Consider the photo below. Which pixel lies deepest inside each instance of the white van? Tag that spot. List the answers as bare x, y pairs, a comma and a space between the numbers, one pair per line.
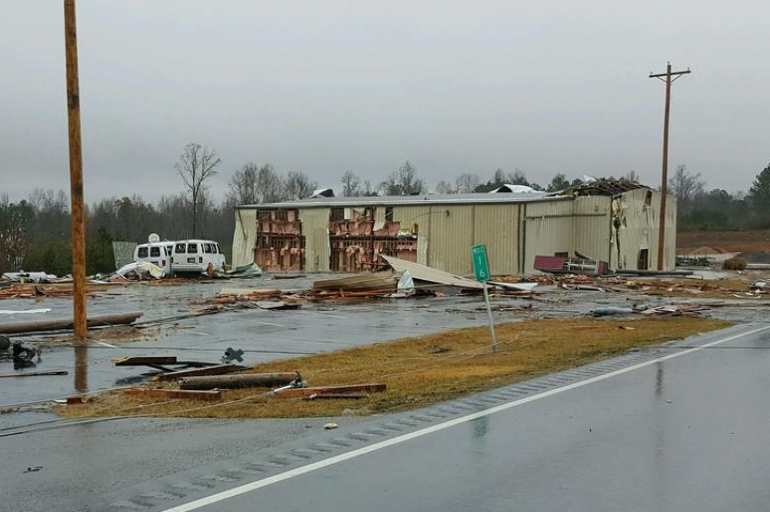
157, 253
194, 256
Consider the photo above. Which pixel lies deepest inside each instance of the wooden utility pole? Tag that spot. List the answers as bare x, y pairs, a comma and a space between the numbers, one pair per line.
669, 77
76, 172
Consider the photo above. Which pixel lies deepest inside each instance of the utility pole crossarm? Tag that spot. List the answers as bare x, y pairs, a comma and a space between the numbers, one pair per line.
672, 73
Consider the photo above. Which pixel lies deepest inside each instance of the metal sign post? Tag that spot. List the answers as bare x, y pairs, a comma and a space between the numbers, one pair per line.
481, 269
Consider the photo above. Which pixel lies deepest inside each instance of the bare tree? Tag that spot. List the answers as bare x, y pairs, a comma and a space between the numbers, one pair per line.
298, 186
242, 187
196, 165
518, 177
466, 183
686, 186
558, 182
351, 184
632, 176
368, 189
403, 182
270, 185
444, 188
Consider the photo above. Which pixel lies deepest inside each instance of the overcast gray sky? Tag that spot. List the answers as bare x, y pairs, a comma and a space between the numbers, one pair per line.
330, 86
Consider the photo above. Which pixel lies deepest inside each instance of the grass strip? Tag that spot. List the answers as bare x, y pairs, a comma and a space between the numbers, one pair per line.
423, 370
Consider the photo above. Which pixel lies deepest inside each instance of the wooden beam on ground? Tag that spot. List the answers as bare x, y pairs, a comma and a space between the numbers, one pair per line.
217, 369
244, 380
321, 390
143, 360
176, 393
35, 374
56, 325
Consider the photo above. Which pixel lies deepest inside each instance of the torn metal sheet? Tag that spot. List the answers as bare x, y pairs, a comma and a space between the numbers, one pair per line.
36, 277
141, 269
524, 287
426, 273
249, 270
24, 311
405, 287
277, 305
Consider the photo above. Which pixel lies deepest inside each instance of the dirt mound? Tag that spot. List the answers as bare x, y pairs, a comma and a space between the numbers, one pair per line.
692, 242
701, 251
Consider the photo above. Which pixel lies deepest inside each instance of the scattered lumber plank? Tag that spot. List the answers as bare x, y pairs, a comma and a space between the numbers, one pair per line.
144, 360
380, 283
176, 393
246, 380
321, 390
35, 374
216, 369
55, 325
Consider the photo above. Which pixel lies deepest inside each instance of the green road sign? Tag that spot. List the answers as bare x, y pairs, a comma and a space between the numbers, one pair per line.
480, 262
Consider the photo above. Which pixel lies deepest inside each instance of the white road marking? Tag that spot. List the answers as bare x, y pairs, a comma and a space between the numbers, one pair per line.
105, 344
274, 325
258, 484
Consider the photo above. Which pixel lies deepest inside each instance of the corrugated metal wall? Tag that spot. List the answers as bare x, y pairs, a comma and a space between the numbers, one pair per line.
548, 229
244, 237
640, 229
451, 235
514, 233
409, 216
315, 227
592, 216
497, 227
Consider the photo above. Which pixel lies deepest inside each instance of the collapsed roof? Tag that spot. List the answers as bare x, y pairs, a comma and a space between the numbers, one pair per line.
600, 187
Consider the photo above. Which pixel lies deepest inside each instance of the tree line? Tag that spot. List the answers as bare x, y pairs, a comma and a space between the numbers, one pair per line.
35, 232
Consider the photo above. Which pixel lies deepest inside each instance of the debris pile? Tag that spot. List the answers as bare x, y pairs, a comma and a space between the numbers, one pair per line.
206, 381
673, 310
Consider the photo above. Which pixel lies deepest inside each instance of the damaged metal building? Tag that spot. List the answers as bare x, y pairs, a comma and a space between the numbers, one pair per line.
611, 220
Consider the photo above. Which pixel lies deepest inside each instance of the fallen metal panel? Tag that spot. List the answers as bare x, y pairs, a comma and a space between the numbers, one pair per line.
143, 360
425, 273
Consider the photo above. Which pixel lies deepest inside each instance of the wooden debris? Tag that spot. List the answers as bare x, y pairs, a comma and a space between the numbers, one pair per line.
144, 360
383, 282
35, 374
217, 369
244, 380
337, 396
64, 324
176, 393
320, 390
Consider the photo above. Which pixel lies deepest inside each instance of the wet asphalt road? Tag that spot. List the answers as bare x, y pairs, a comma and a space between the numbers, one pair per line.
684, 434
682, 427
